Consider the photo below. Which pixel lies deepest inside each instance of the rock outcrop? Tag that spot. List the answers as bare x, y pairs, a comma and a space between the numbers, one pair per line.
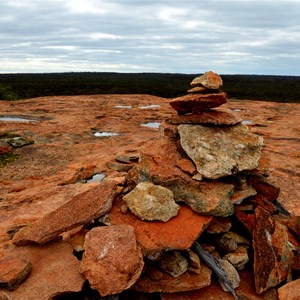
134, 240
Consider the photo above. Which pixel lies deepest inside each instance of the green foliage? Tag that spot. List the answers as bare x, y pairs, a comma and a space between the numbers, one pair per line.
7, 93
167, 85
8, 157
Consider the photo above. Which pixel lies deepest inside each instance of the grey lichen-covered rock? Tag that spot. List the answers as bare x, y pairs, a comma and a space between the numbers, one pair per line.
219, 152
208, 198
151, 202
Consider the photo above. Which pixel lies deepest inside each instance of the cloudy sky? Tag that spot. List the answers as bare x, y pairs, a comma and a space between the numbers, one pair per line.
187, 36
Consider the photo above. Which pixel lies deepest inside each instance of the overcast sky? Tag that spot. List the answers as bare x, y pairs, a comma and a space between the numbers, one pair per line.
169, 36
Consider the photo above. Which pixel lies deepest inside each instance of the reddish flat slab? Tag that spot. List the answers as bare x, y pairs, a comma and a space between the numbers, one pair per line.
156, 236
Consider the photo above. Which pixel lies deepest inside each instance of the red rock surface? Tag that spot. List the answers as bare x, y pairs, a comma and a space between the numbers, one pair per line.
55, 270
34, 185
50, 171
197, 103
112, 261
81, 209
154, 237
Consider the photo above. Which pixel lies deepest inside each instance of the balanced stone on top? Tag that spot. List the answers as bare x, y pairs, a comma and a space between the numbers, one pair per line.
209, 79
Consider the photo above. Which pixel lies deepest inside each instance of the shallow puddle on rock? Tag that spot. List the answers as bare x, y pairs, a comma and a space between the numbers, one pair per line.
123, 106
149, 106
105, 134
16, 119
247, 122
96, 177
151, 124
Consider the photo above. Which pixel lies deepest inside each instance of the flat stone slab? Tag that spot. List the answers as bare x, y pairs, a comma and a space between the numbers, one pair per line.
82, 209
154, 237
197, 103
219, 152
112, 261
216, 116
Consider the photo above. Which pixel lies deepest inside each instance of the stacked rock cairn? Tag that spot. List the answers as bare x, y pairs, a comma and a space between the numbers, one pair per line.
196, 202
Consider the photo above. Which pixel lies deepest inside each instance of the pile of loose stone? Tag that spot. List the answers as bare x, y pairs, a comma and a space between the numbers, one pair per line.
200, 183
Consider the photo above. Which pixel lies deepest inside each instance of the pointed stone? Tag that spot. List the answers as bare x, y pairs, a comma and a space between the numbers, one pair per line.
82, 209
209, 79
151, 202
217, 116
197, 103
112, 261
219, 152
272, 254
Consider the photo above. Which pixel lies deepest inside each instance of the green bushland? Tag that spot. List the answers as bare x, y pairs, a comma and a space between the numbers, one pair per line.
167, 85
7, 93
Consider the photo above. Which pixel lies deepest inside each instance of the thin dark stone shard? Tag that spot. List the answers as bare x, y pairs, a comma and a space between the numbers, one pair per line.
214, 264
280, 208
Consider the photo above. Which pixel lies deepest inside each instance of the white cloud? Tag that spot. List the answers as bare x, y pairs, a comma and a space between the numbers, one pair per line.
228, 36
100, 35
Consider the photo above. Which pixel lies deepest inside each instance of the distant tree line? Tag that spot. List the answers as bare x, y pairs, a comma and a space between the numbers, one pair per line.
167, 85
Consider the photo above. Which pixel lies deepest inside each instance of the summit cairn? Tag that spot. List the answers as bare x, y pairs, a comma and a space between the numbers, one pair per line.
217, 151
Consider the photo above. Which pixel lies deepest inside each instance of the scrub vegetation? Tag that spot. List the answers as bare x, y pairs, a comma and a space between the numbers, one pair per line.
168, 85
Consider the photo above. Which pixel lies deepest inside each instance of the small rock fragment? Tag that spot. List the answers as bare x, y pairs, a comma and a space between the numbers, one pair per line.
219, 225
231, 273
186, 166
238, 258
194, 262
173, 263
19, 141
112, 261
13, 271
151, 202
